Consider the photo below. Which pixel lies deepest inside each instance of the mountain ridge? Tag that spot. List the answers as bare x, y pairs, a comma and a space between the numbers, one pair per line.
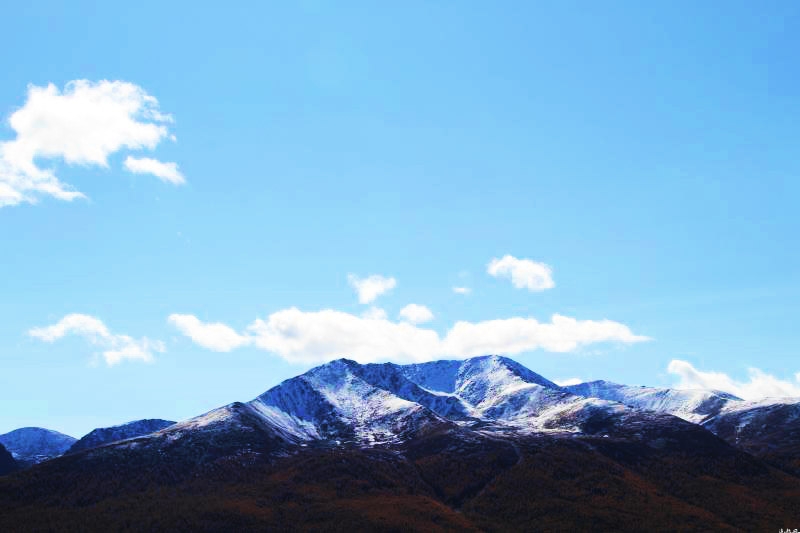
380, 403
136, 428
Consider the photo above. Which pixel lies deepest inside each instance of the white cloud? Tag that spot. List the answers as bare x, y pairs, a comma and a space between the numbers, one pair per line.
371, 287
416, 314
374, 313
517, 335
213, 336
116, 348
318, 336
567, 382
760, 384
462, 290
523, 273
164, 171
81, 125
310, 337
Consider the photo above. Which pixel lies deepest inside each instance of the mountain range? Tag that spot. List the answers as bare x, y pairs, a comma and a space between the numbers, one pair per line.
483, 443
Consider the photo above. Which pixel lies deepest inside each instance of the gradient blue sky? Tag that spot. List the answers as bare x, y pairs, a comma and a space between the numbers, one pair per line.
646, 151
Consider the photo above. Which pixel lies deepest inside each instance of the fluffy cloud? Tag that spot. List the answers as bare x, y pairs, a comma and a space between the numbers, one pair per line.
416, 314
462, 290
517, 335
567, 382
164, 171
319, 336
374, 313
760, 384
82, 125
213, 336
523, 273
371, 287
116, 348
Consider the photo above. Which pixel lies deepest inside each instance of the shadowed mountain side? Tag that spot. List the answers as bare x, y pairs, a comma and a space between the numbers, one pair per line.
7, 462
769, 430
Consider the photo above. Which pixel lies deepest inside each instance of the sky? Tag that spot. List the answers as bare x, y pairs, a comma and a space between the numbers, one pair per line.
198, 203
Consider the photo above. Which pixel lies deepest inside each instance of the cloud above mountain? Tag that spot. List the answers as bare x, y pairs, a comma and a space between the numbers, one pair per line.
83, 124
318, 336
369, 288
523, 273
416, 314
213, 336
115, 347
759, 385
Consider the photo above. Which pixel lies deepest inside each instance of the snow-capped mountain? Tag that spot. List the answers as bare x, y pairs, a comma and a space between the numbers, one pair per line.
384, 403
692, 405
33, 445
100, 436
499, 390
343, 402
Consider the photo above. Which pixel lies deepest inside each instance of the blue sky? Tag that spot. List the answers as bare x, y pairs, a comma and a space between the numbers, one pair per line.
646, 153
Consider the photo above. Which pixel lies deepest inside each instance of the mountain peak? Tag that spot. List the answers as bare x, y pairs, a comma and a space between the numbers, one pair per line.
100, 436
32, 445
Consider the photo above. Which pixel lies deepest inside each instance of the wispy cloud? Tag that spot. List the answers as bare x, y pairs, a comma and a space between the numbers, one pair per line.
164, 171
759, 385
462, 290
82, 125
115, 348
523, 273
